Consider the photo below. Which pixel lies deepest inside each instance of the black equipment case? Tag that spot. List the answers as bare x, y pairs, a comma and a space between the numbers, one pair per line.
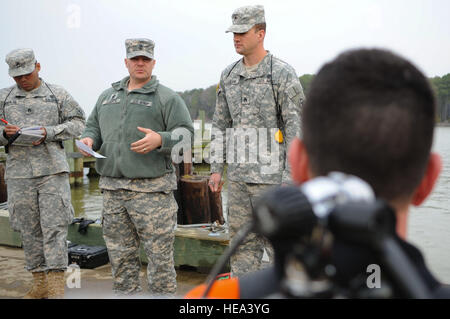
88, 256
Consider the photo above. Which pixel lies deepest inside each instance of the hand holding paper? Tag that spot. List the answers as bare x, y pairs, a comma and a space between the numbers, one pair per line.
85, 149
30, 136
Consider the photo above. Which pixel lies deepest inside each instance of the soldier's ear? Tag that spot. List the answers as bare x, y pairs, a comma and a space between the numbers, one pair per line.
38, 66
429, 179
263, 34
299, 161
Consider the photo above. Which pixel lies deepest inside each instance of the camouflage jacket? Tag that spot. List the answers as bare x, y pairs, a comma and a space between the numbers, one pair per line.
51, 107
245, 102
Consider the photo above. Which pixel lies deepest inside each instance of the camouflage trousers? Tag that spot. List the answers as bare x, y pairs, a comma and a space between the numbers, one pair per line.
40, 208
248, 257
130, 218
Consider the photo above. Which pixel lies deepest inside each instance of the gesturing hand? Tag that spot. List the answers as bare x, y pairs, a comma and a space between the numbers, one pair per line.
147, 144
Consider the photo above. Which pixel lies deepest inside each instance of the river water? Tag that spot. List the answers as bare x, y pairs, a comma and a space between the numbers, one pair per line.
429, 224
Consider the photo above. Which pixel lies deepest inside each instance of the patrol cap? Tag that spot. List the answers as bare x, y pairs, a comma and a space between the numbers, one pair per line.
245, 18
139, 47
20, 62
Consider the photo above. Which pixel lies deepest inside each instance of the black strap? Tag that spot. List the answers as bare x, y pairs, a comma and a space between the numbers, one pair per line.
57, 102
234, 65
4, 102
59, 111
15, 136
280, 121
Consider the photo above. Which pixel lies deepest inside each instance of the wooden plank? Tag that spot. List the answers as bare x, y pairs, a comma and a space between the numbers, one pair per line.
74, 155
8, 237
200, 248
203, 234
3, 188
78, 165
193, 247
196, 248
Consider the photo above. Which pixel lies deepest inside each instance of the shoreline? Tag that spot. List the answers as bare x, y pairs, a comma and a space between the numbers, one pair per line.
93, 284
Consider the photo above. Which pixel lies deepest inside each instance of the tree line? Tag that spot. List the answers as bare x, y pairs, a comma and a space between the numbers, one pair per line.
441, 86
205, 99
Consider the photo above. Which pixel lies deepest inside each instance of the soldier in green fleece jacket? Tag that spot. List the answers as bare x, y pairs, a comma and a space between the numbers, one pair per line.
132, 125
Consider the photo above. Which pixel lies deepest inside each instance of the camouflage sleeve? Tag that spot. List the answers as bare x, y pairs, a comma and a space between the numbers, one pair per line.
92, 129
3, 140
176, 116
221, 121
291, 102
72, 120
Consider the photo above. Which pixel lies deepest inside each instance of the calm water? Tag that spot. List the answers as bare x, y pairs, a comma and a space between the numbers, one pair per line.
429, 225
86, 198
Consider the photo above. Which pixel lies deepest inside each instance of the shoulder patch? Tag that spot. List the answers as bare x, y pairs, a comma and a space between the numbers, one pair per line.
112, 99
292, 92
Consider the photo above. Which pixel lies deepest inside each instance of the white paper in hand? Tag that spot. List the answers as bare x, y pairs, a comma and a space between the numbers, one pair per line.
29, 135
87, 149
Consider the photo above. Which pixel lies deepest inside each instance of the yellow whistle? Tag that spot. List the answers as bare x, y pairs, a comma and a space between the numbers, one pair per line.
279, 136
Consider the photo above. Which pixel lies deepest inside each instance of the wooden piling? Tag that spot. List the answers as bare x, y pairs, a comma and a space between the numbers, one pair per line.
3, 189
195, 197
75, 160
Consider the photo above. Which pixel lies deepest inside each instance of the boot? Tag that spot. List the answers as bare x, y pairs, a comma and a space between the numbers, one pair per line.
55, 284
40, 287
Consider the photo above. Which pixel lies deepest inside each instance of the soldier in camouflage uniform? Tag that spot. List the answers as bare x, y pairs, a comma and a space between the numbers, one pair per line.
132, 126
259, 97
37, 175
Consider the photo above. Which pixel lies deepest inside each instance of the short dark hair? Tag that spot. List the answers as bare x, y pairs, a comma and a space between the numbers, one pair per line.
260, 26
371, 113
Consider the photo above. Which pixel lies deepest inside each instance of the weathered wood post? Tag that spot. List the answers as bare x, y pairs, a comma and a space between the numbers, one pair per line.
202, 116
195, 197
75, 160
3, 189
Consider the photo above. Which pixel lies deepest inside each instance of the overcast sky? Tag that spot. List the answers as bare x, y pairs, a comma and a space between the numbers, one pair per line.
80, 43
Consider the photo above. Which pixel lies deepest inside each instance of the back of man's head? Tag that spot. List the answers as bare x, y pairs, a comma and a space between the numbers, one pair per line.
371, 113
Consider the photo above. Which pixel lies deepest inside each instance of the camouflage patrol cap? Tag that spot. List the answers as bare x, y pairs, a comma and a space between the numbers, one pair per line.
139, 47
20, 62
245, 18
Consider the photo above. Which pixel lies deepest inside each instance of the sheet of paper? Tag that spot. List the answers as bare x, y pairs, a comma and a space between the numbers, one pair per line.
88, 150
27, 139
31, 129
29, 135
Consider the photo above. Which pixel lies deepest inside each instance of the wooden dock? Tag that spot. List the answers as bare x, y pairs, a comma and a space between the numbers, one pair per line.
195, 247
77, 163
